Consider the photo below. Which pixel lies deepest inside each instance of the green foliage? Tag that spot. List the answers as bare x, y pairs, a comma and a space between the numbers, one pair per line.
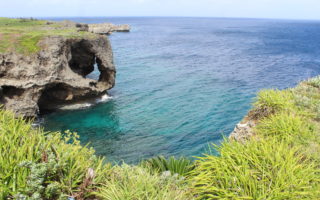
315, 82
23, 35
16, 22
269, 102
286, 125
281, 162
307, 98
44, 166
160, 164
133, 182
259, 169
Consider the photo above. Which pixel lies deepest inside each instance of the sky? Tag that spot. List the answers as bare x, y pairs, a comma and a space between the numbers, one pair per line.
280, 9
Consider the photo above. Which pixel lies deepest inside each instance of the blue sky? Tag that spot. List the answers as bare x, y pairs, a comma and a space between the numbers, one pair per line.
287, 9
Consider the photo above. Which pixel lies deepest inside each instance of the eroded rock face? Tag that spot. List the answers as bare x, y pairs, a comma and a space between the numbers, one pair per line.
56, 75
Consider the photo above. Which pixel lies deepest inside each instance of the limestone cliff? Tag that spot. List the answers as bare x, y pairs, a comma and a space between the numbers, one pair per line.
56, 74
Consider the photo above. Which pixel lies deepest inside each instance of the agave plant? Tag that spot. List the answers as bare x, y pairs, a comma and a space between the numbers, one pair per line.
160, 164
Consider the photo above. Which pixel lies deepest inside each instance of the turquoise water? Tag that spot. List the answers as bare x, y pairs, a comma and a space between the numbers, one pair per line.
185, 82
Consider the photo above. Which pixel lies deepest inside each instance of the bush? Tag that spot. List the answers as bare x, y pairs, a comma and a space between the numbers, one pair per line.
160, 164
269, 102
133, 182
44, 165
266, 169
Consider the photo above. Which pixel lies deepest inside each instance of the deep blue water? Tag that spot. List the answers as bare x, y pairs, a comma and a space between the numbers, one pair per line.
185, 82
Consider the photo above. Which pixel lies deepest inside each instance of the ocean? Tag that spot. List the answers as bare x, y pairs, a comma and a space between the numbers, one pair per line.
184, 83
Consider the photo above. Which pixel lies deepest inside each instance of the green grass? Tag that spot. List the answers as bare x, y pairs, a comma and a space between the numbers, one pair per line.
160, 164
259, 169
281, 162
133, 182
269, 102
315, 82
39, 165
33, 163
286, 125
23, 35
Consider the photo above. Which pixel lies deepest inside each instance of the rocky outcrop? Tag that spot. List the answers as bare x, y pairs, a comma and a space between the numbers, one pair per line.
107, 28
56, 75
102, 28
243, 131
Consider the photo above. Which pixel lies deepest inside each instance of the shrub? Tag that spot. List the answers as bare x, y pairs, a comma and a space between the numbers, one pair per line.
266, 169
44, 165
133, 182
269, 102
160, 164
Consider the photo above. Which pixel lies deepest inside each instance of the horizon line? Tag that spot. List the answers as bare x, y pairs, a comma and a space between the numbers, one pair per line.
256, 18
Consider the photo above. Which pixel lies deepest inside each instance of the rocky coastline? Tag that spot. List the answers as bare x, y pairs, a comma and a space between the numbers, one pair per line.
56, 75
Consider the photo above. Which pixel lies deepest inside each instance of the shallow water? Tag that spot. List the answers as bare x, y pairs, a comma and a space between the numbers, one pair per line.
185, 82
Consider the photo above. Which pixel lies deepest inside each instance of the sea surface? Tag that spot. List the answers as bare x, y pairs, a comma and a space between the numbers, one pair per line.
183, 83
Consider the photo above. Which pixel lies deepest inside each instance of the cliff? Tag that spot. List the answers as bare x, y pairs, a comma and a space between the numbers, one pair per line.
44, 65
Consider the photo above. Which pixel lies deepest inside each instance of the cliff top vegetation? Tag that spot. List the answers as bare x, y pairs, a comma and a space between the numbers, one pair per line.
23, 35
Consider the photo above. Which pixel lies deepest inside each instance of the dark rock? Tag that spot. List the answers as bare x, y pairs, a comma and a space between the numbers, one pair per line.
82, 27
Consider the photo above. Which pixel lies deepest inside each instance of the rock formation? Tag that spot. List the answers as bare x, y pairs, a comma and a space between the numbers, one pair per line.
243, 131
56, 75
107, 28
102, 28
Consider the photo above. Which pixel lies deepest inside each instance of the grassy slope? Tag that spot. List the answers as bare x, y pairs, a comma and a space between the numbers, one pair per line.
280, 162
22, 35
39, 165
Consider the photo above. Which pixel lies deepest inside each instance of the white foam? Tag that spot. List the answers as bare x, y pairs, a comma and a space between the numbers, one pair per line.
104, 98
76, 106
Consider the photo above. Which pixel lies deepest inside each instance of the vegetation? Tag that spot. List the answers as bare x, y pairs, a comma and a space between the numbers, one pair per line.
44, 165
271, 101
160, 164
23, 35
265, 169
282, 161
127, 182
38, 165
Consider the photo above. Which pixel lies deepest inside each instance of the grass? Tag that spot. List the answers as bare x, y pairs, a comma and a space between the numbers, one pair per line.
269, 102
133, 182
23, 35
315, 82
265, 169
160, 164
281, 162
39, 165
286, 125
32, 162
